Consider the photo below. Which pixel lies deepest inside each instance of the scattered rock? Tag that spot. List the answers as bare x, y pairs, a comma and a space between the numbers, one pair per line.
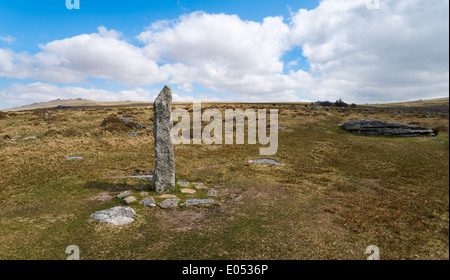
265, 161
129, 199
183, 183
128, 121
200, 186
196, 202
189, 191
282, 128
211, 193
169, 203
167, 196
123, 194
30, 137
144, 193
142, 177
71, 158
116, 216
133, 134
164, 175
148, 202
386, 128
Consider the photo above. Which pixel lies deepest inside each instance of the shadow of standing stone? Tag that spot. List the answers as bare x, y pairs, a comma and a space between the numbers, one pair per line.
164, 175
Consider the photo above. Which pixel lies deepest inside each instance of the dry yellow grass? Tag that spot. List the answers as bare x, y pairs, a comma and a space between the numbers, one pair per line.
337, 194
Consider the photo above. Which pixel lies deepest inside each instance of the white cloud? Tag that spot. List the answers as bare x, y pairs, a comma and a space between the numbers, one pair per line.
18, 94
8, 39
399, 52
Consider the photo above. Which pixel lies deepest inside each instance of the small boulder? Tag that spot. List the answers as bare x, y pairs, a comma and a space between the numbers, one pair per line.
123, 194
200, 186
117, 216
188, 191
129, 199
148, 202
183, 183
196, 202
211, 193
167, 196
265, 161
169, 203
71, 158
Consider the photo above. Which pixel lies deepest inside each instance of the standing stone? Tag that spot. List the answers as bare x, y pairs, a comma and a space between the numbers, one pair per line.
164, 175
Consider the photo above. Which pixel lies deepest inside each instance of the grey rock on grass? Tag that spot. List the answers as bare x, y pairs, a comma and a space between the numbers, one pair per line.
124, 193
129, 199
148, 202
133, 134
183, 183
386, 128
117, 216
211, 193
265, 161
196, 202
169, 203
71, 158
142, 177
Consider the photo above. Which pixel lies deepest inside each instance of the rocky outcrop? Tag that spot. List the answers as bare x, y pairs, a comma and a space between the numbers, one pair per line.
379, 127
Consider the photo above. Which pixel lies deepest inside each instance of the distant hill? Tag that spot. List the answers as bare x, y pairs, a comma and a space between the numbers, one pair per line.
438, 104
74, 103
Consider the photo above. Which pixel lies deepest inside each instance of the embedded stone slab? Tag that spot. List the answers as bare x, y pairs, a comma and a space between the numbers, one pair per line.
169, 203
117, 216
183, 183
30, 137
265, 161
200, 186
142, 177
72, 158
211, 193
386, 128
167, 196
123, 194
136, 124
196, 202
129, 199
188, 191
164, 174
148, 202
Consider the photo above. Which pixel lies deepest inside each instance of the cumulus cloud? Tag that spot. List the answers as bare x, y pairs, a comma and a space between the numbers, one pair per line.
18, 94
99, 55
398, 52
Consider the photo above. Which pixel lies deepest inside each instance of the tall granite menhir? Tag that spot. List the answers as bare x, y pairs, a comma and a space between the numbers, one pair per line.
164, 174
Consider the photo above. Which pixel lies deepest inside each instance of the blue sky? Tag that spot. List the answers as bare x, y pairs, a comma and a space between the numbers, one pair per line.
265, 50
